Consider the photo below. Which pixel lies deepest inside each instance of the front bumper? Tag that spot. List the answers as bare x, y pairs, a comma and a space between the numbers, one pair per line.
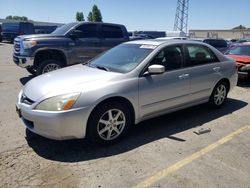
243, 75
65, 125
22, 61
243, 70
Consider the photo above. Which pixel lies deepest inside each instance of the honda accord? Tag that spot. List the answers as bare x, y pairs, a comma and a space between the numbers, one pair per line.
130, 83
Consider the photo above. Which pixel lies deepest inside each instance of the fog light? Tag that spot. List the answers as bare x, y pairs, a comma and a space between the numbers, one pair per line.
23, 61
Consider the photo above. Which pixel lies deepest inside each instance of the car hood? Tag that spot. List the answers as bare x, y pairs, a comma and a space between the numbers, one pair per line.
67, 80
240, 58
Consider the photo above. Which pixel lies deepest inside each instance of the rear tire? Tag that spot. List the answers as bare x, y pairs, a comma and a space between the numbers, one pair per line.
108, 123
219, 95
48, 66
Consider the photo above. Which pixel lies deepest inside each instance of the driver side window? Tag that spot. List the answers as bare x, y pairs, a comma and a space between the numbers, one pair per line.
87, 31
170, 57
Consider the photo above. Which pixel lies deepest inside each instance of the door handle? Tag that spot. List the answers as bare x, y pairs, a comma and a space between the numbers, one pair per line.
184, 76
216, 69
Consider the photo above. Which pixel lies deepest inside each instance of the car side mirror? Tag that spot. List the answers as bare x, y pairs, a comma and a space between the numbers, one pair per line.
156, 69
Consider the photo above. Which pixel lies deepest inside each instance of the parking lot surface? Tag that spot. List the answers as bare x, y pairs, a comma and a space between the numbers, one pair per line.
162, 152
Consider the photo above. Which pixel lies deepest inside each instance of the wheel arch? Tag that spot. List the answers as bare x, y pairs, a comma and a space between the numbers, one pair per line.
46, 54
225, 80
114, 99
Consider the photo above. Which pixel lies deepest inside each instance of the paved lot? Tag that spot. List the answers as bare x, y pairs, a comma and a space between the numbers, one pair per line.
163, 152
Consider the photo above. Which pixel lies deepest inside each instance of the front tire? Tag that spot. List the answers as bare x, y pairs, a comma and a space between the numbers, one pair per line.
31, 70
219, 95
48, 66
108, 123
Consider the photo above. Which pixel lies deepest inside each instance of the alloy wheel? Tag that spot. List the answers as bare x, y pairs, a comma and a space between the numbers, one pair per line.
111, 124
220, 94
51, 67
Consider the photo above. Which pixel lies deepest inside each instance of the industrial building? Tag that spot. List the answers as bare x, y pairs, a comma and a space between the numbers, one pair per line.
226, 34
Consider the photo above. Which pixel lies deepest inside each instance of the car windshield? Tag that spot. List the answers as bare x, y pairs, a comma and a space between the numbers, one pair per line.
122, 58
63, 29
239, 50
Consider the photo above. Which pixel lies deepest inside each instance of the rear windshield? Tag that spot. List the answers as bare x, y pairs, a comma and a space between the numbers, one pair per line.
239, 50
217, 43
10, 26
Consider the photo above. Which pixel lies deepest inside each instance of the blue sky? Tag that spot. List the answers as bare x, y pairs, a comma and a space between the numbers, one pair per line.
135, 14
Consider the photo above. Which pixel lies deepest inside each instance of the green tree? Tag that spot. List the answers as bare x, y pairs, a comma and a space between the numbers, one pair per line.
90, 17
96, 14
80, 16
9, 17
22, 18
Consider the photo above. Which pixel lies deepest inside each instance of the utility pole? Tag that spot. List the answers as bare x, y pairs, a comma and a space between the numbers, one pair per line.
181, 16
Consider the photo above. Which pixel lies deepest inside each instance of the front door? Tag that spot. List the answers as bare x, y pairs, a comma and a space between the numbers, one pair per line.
166, 91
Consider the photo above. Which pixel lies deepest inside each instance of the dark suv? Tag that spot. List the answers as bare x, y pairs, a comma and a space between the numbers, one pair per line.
219, 44
1, 38
10, 30
70, 44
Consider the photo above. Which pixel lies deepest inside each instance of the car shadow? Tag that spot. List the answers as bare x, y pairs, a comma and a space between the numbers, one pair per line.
24, 80
146, 132
243, 83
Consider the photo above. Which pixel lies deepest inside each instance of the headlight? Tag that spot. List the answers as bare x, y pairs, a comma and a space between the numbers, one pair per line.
58, 103
29, 44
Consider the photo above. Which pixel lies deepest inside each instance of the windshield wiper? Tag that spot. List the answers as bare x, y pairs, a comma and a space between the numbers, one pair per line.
102, 68
97, 66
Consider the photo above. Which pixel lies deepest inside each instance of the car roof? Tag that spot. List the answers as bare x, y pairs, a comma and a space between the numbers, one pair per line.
158, 42
97, 23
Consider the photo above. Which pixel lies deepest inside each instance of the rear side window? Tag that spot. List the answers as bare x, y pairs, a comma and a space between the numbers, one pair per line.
199, 55
87, 31
111, 32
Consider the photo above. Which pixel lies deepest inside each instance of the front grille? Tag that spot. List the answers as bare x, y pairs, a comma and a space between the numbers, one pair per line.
26, 100
17, 47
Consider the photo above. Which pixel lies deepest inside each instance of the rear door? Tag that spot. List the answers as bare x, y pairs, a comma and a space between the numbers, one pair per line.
205, 70
111, 35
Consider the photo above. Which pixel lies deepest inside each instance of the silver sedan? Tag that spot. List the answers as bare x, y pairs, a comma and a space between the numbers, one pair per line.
130, 83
